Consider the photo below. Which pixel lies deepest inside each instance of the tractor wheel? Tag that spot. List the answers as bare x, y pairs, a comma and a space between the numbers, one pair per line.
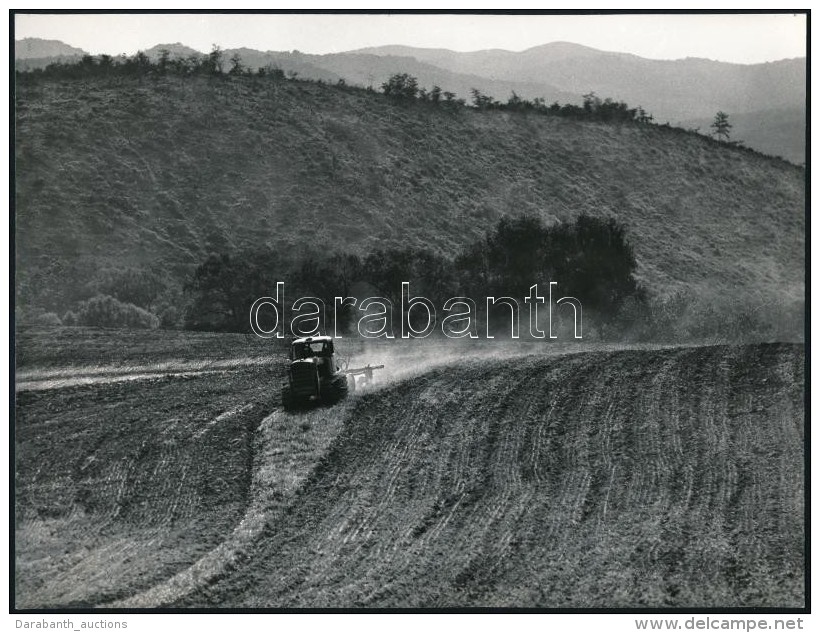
336, 391
288, 401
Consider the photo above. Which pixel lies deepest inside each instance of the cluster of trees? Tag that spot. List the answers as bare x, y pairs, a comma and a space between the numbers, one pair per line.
112, 297
590, 258
140, 64
404, 87
593, 108
400, 86
106, 311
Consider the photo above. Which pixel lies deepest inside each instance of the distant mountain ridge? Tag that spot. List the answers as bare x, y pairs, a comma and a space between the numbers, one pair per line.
175, 50
676, 89
768, 101
34, 48
679, 91
32, 53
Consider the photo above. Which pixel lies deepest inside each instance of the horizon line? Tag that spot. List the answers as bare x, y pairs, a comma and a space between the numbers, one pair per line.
363, 50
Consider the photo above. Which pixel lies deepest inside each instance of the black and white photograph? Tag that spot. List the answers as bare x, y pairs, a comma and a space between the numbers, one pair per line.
408, 312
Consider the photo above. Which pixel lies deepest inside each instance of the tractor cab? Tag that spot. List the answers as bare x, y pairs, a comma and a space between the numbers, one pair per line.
317, 350
311, 347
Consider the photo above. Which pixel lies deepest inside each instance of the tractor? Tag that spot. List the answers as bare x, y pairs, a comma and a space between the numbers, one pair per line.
313, 374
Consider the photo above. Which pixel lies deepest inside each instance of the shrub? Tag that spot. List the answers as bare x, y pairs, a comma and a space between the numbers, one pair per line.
106, 311
49, 319
710, 317
127, 285
170, 317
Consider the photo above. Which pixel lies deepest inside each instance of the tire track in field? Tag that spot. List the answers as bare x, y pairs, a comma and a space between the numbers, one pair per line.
120, 500
273, 482
606, 479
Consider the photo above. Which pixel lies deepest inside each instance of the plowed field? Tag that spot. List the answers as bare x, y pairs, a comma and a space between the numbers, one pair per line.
652, 478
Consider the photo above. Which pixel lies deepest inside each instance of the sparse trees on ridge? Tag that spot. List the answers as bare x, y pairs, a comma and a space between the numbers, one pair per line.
401, 87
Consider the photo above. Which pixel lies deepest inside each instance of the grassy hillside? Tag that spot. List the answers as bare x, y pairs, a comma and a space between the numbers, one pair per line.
161, 172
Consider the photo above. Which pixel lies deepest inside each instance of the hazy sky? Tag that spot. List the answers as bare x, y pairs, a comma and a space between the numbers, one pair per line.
733, 38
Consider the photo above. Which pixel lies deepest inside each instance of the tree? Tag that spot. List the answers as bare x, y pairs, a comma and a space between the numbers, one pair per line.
224, 286
429, 275
643, 116
128, 285
721, 126
507, 260
272, 71
482, 101
213, 62
591, 258
139, 64
162, 62
517, 103
401, 86
236, 65
191, 64
591, 103
450, 99
142, 62
218, 302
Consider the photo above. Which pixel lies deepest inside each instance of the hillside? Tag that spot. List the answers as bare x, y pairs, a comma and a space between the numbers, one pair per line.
668, 478
654, 478
161, 172
677, 91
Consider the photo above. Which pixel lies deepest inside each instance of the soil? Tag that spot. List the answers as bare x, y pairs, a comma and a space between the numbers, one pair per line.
633, 478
